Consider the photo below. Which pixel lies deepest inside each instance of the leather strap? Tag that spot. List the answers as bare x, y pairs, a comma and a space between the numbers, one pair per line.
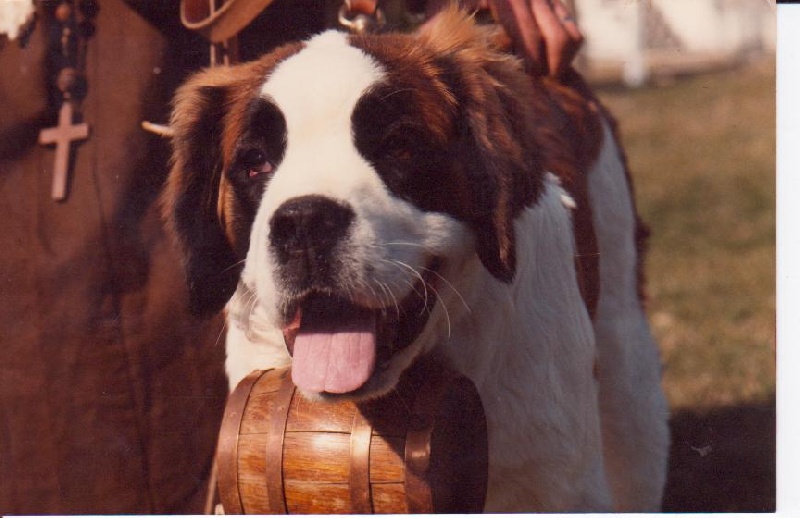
224, 23
360, 440
419, 496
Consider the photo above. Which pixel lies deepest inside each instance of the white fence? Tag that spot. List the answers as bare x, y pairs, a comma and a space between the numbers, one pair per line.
639, 36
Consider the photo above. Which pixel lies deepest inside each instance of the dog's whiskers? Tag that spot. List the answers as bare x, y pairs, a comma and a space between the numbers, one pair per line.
219, 339
395, 92
446, 312
350, 294
450, 285
434, 272
390, 296
405, 243
234, 265
424, 295
416, 273
427, 287
251, 304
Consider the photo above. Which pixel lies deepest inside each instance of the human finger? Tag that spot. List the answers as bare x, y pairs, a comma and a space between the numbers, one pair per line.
560, 32
518, 20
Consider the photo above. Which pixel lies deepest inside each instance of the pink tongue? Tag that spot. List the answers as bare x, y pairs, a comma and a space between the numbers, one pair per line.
336, 357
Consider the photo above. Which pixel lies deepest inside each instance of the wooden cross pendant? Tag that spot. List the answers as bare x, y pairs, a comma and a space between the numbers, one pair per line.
62, 136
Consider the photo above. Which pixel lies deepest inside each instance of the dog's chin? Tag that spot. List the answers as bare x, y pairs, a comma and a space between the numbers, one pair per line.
390, 332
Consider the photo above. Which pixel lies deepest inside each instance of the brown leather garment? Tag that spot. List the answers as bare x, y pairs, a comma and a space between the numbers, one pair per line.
110, 394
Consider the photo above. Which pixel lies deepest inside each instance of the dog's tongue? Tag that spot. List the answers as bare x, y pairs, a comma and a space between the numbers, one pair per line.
334, 350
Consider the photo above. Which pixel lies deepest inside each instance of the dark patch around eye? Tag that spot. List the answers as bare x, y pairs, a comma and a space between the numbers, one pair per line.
262, 142
413, 160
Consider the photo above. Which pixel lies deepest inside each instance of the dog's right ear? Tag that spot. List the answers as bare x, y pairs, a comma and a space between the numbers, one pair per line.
189, 202
207, 119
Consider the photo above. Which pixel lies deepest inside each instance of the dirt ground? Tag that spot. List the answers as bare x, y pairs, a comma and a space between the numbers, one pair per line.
722, 460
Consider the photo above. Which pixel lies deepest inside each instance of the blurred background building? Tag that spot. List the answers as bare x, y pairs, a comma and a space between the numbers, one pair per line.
637, 40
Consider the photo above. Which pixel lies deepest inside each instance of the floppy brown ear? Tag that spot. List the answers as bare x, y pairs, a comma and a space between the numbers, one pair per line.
498, 147
207, 119
503, 170
189, 201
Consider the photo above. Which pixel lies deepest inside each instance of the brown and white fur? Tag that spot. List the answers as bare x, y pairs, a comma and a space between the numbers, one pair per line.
420, 183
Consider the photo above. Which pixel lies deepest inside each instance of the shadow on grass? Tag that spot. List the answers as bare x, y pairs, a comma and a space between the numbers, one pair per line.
722, 460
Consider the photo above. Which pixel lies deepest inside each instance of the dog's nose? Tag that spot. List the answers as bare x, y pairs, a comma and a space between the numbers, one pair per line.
309, 224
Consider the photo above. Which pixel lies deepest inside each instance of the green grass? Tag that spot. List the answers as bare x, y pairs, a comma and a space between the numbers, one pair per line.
702, 154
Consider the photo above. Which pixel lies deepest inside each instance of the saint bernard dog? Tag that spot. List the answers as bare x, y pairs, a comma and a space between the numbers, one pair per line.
357, 202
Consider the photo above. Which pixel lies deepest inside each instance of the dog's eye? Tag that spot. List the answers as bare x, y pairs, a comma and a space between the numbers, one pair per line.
256, 162
264, 168
398, 147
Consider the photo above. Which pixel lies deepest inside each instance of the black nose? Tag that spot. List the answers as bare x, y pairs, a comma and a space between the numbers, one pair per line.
309, 227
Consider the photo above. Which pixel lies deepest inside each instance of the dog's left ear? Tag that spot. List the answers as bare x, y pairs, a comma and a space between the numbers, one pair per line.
503, 171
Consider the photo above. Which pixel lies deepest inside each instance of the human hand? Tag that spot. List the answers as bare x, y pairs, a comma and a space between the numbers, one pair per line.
543, 31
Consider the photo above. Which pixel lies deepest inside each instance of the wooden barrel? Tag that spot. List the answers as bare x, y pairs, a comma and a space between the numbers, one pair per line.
422, 449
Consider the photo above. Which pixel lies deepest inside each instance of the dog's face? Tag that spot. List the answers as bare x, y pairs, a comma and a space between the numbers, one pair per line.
340, 183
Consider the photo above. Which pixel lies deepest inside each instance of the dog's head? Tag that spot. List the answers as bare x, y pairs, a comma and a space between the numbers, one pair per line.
339, 182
